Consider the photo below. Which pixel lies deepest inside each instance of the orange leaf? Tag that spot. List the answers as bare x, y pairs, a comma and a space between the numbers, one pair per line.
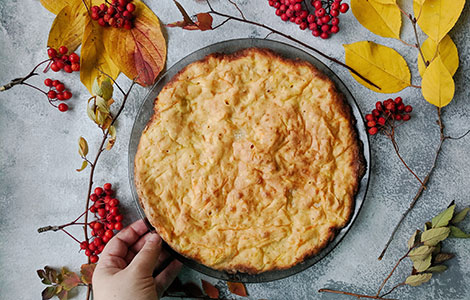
55, 6
94, 56
204, 20
140, 53
210, 290
237, 288
68, 26
87, 272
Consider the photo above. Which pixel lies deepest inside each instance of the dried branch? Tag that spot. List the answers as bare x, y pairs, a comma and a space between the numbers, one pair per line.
358, 296
22, 80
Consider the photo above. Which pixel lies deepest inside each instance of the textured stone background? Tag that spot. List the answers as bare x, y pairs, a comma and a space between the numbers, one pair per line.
39, 185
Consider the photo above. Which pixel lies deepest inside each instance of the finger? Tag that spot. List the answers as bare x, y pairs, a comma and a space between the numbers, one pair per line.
119, 244
166, 277
141, 242
146, 260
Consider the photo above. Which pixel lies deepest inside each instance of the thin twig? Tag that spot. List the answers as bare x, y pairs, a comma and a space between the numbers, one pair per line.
459, 137
392, 289
238, 8
21, 80
68, 233
212, 11
415, 86
359, 296
397, 151
393, 270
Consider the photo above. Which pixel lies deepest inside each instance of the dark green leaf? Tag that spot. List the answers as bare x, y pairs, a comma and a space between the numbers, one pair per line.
460, 216
444, 217
437, 269
433, 236
441, 257
48, 292
458, 233
415, 280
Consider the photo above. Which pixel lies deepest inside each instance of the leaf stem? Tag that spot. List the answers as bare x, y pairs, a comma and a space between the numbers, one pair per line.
359, 296
242, 20
392, 289
391, 273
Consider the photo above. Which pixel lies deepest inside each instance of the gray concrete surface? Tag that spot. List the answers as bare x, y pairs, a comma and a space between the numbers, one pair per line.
39, 185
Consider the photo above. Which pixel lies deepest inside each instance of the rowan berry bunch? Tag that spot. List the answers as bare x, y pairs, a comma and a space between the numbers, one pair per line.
108, 219
62, 61
322, 19
57, 92
119, 14
387, 114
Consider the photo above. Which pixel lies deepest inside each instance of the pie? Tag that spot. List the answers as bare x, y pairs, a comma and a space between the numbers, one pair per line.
250, 163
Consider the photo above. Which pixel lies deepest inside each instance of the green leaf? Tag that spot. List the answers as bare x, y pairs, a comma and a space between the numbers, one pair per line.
441, 257
460, 215
82, 147
43, 276
443, 218
458, 233
433, 236
84, 165
422, 265
87, 272
420, 253
412, 241
437, 269
415, 280
48, 292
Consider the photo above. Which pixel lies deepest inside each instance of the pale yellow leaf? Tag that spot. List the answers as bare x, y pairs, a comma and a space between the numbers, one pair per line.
437, 17
82, 147
84, 165
112, 132
55, 6
382, 65
447, 51
67, 28
382, 19
94, 56
437, 84
386, 1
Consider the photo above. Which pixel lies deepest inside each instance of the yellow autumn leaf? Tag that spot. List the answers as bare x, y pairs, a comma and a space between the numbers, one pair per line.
380, 18
55, 6
437, 17
382, 65
94, 56
437, 84
447, 51
387, 1
140, 52
68, 26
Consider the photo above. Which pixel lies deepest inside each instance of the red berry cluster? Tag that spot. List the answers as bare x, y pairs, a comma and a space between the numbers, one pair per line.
62, 61
119, 14
57, 92
105, 208
386, 113
323, 22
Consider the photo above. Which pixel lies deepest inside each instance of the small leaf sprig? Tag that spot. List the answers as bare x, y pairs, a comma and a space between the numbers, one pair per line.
424, 250
60, 283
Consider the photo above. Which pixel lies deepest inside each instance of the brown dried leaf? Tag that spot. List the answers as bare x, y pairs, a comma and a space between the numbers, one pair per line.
43, 276
70, 279
82, 147
63, 295
84, 165
51, 274
87, 272
210, 290
441, 257
204, 20
237, 288
110, 144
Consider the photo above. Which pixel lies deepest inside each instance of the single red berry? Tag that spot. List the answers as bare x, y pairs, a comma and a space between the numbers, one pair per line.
277, 4
379, 106
114, 202
335, 5
118, 226
398, 100
334, 12
52, 95
109, 234
284, 17
55, 83
52, 53
290, 13
371, 124
317, 4
114, 211
75, 67
401, 107
297, 6
381, 121
303, 14
278, 12
95, 16
60, 64
390, 106
54, 67
97, 226
122, 3
335, 21
84, 245
325, 19
67, 95
375, 113
95, 9
48, 82
406, 117
398, 117
63, 107
88, 252
325, 28
298, 20
93, 197
106, 18
310, 18
74, 58
99, 191
101, 212
303, 26
101, 247
118, 218
319, 22
60, 96
98, 241
370, 117
94, 259
408, 108
103, 7
93, 209
111, 11
334, 29
324, 35
101, 22
373, 130
316, 32
344, 8
107, 186
63, 50
107, 207
320, 12
105, 239
60, 87
68, 69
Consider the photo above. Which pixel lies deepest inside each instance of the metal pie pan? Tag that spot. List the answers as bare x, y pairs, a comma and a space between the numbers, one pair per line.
288, 51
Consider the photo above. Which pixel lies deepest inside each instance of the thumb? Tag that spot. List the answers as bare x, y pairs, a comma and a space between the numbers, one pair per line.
146, 260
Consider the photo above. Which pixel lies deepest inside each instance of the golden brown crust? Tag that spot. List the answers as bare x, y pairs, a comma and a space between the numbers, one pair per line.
250, 162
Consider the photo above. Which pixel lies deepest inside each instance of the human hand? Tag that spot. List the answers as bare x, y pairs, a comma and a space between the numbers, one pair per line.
125, 269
